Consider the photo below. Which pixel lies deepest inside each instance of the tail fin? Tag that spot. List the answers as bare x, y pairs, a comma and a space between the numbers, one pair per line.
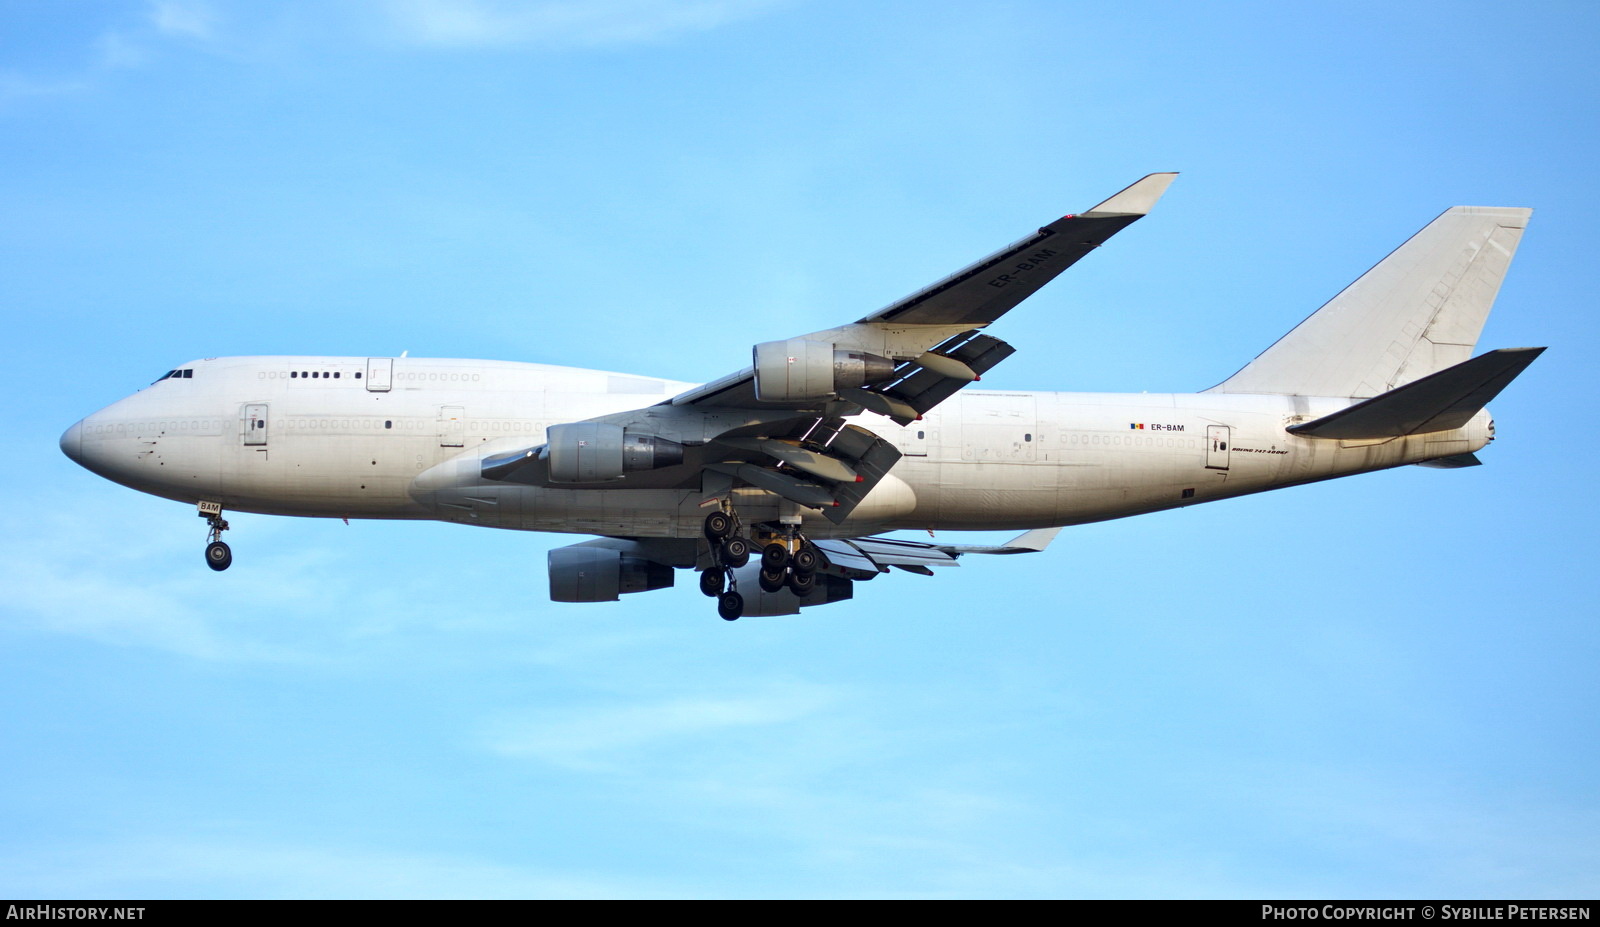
1417, 312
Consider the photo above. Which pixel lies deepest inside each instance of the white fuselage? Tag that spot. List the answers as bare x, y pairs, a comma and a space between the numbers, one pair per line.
318, 436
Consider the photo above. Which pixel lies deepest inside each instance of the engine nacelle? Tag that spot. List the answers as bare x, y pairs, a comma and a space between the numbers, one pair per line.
595, 452
760, 603
798, 369
600, 574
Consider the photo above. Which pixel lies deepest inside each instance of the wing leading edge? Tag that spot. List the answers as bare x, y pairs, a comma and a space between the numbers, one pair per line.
953, 308
982, 292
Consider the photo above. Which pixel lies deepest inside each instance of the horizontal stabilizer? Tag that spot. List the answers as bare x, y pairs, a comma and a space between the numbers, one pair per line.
1453, 462
1438, 402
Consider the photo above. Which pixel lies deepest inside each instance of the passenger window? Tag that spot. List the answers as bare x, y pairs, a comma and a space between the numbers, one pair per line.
294, 373
388, 424
358, 374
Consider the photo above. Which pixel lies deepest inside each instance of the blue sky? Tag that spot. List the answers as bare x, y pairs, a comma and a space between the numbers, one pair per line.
1381, 686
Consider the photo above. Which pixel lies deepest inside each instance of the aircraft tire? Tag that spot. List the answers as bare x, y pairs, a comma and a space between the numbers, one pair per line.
730, 605
805, 559
736, 552
718, 526
770, 581
713, 581
774, 557
802, 583
218, 556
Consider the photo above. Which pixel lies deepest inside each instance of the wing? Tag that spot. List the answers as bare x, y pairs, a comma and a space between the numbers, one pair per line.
940, 320
604, 569
779, 425
977, 295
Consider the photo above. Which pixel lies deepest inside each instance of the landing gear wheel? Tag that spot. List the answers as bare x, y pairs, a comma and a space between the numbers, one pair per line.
774, 557
736, 552
718, 525
713, 581
218, 556
770, 581
802, 583
805, 559
730, 605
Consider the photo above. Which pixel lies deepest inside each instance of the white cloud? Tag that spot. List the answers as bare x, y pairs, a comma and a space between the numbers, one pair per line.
166, 867
115, 568
189, 18
580, 23
16, 85
119, 51
602, 737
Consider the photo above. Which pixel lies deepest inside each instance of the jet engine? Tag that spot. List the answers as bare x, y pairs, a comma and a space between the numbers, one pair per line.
798, 370
600, 574
759, 603
595, 452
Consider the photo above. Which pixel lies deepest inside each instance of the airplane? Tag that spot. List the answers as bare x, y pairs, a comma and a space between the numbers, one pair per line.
775, 483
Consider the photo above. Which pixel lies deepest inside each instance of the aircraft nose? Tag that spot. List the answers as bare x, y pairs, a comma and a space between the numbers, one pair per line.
72, 443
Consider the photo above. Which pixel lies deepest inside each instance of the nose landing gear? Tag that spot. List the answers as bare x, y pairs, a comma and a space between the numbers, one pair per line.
218, 555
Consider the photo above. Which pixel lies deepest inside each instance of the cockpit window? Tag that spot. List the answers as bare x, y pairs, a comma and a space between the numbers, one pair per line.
175, 375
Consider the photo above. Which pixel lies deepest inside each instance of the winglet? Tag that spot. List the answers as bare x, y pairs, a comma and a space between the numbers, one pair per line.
1137, 199
1028, 542
1033, 541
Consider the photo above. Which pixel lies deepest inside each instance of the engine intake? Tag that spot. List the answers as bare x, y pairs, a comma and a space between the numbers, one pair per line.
798, 369
595, 452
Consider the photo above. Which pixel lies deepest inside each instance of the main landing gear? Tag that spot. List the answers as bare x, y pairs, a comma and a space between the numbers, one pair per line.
218, 555
787, 559
732, 552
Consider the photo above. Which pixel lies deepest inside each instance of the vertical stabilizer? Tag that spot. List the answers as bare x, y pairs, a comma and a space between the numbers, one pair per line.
1417, 312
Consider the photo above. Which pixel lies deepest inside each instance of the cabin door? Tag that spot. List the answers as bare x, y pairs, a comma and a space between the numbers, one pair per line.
380, 374
1217, 440
255, 424
452, 425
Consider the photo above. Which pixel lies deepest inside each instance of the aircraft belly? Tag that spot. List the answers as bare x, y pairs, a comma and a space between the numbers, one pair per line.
328, 472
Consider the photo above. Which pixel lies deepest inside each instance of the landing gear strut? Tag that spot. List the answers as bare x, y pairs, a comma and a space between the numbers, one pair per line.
787, 558
218, 555
731, 552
